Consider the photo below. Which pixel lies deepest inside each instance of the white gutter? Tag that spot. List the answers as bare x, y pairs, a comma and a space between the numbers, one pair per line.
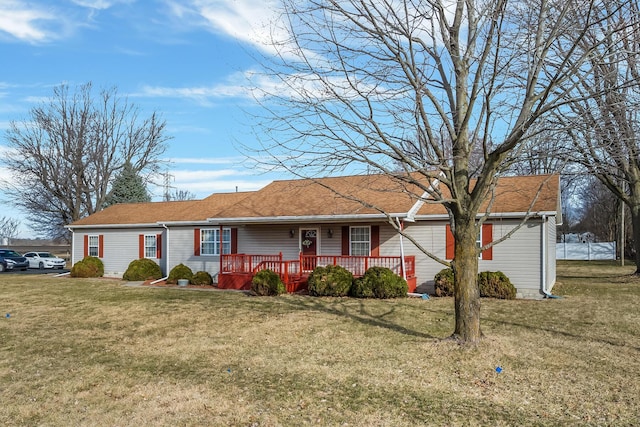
301, 219
145, 225
491, 215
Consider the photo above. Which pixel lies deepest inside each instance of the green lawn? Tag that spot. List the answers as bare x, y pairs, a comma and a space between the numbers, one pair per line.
95, 352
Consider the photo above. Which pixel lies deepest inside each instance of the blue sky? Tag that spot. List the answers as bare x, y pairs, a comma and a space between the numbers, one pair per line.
186, 59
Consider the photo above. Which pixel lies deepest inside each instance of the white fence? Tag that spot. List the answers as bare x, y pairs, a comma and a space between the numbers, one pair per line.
586, 251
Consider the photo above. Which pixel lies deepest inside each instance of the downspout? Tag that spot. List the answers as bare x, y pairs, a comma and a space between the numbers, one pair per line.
544, 259
166, 257
544, 254
73, 247
404, 269
166, 252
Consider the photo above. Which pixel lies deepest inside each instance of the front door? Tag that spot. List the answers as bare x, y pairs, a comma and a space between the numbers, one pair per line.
309, 245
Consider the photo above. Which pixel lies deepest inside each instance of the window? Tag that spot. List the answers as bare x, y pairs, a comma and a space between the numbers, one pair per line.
150, 246
93, 248
210, 241
485, 236
360, 241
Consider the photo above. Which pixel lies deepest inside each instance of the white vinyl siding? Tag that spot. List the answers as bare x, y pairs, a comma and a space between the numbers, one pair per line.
120, 248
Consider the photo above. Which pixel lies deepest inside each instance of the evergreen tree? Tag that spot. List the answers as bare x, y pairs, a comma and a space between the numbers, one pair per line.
128, 187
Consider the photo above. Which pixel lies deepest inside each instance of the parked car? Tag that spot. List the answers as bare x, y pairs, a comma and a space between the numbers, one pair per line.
21, 263
6, 264
44, 260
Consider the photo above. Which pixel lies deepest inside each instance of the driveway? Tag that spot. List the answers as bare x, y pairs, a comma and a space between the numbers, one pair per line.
38, 271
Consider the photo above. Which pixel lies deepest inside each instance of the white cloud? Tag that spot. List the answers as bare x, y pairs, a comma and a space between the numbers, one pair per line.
204, 182
207, 161
97, 4
25, 22
204, 175
251, 21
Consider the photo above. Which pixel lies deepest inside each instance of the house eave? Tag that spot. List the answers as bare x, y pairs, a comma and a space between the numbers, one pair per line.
303, 219
88, 226
137, 225
516, 215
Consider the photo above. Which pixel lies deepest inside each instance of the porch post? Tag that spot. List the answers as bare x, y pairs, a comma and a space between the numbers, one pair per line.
220, 271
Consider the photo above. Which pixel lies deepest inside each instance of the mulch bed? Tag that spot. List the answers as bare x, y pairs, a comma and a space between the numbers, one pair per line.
164, 284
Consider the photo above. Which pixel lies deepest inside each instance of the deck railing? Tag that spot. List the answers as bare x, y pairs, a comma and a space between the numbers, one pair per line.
357, 265
243, 263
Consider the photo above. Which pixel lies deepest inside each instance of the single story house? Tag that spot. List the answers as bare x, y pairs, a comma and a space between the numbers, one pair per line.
291, 226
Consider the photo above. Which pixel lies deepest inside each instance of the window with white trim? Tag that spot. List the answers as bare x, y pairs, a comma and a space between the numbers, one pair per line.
479, 241
210, 241
150, 246
360, 241
94, 246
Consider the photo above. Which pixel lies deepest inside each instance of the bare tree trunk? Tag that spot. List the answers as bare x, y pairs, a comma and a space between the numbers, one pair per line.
635, 220
466, 292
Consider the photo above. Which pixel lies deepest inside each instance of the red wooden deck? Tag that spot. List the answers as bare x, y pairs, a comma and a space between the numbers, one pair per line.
237, 270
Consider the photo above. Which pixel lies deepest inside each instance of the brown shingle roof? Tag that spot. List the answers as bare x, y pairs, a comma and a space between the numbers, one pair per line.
154, 212
381, 193
325, 197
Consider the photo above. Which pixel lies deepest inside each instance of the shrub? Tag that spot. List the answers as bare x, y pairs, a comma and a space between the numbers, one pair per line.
379, 282
180, 271
444, 283
267, 283
202, 278
332, 280
494, 284
142, 269
89, 266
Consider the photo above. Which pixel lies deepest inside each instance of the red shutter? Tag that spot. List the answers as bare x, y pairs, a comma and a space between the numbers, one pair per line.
101, 246
450, 243
196, 241
234, 240
159, 246
345, 240
86, 245
141, 246
375, 240
487, 237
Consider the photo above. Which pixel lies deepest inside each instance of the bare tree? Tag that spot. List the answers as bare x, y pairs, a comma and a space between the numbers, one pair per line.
179, 195
356, 79
605, 124
8, 227
66, 154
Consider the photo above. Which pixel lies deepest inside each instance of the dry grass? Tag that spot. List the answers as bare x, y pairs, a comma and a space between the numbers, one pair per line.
95, 352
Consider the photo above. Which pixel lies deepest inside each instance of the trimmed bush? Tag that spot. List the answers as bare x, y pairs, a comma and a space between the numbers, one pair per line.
89, 266
267, 283
380, 282
142, 269
494, 284
330, 281
178, 272
202, 278
443, 282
